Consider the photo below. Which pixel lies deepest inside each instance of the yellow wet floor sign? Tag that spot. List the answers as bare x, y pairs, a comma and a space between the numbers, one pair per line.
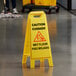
37, 43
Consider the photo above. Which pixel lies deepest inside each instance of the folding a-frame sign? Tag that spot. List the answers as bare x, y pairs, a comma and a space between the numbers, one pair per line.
37, 43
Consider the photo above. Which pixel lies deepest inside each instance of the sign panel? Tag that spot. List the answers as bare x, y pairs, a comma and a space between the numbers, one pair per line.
37, 43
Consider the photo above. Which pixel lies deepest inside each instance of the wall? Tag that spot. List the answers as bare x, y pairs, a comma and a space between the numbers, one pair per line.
73, 4
63, 3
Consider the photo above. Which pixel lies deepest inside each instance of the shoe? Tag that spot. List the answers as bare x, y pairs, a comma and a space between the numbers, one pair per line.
15, 11
6, 10
2, 11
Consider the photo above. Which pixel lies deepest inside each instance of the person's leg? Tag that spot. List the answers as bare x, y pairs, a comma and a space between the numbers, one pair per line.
14, 7
7, 4
6, 8
13, 4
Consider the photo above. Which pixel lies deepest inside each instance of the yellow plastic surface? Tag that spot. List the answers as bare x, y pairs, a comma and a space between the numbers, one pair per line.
25, 2
37, 44
33, 1
45, 2
26, 51
40, 2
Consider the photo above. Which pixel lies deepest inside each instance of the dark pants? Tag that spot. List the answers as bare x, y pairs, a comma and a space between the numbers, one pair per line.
13, 4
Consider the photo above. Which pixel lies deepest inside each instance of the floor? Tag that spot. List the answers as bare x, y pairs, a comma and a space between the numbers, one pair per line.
73, 12
62, 28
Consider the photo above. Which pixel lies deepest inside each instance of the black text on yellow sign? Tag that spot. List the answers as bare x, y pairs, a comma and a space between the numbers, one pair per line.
37, 44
